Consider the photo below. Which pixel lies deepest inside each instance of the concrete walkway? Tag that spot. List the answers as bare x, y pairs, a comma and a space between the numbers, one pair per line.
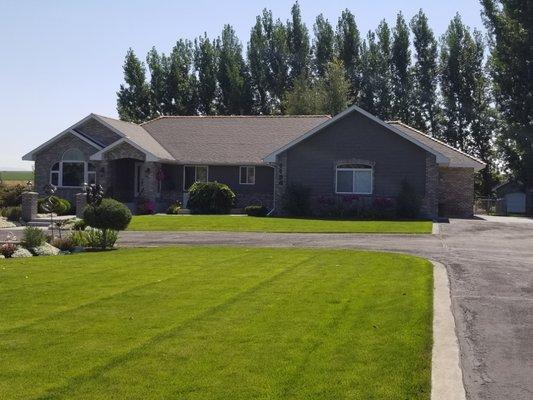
490, 267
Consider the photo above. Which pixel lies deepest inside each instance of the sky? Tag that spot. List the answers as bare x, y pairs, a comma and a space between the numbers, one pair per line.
61, 60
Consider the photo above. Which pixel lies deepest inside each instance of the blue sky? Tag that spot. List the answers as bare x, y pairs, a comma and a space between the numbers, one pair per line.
61, 60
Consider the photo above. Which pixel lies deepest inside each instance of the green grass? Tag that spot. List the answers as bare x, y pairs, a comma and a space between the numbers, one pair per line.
216, 323
271, 224
16, 175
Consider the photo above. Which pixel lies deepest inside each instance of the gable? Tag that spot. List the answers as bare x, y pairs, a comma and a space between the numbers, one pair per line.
96, 131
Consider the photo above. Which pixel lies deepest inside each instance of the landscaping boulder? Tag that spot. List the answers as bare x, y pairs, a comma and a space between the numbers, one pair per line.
4, 223
46, 249
21, 252
1, 256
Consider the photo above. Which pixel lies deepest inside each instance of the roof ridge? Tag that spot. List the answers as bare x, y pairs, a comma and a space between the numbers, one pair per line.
236, 116
436, 140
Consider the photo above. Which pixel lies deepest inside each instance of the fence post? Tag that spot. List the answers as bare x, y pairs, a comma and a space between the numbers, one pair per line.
81, 202
29, 206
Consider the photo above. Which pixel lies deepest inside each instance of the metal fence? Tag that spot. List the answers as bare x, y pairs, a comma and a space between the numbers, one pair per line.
490, 206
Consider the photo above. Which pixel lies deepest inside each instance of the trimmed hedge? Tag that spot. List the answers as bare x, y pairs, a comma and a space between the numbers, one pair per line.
110, 214
256, 211
59, 206
210, 198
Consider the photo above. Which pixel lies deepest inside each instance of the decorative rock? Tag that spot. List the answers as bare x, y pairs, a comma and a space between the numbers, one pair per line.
1, 256
21, 252
45, 249
4, 223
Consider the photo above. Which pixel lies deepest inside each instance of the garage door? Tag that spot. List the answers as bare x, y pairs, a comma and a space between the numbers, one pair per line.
515, 202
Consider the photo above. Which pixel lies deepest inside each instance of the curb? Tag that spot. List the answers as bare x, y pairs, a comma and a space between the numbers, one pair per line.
446, 375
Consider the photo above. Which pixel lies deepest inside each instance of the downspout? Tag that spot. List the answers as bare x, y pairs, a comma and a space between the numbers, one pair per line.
273, 165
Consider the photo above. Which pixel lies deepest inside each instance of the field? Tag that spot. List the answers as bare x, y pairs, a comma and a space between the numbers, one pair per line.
216, 323
16, 177
272, 224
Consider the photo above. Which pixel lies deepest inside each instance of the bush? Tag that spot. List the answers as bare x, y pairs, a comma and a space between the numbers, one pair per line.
33, 237
21, 252
174, 208
144, 207
210, 198
101, 239
78, 238
408, 202
59, 206
296, 200
12, 213
78, 224
256, 211
110, 214
7, 249
11, 196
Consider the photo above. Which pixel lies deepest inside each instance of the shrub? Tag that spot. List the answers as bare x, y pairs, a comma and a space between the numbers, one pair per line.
63, 244
144, 207
110, 214
46, 249
78, 224
210, 198
12, 213
7, 249
21, 252
256, 211
33, 237
296, 200
59, 206
101, 239
174, 208
11, 196
78, 238
408, 202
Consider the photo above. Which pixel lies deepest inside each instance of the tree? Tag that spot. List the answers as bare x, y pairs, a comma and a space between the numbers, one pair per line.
304, 98
133, 98
401, 71
510, 25
323, 45
259, 66
158, 67
348, 45
425, 99
298, 42
205, 64
181, 82
335, 88
369, 73
277, 59
384, 95
233, 77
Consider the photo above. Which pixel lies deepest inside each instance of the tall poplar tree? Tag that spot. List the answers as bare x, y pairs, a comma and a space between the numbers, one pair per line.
335, 88
401, 71
370, 56
159, 70
510, 25
323, 46
259, 66
181, 82
348, 45
299, 47
133, 97
205, 64
383, 75
425, 98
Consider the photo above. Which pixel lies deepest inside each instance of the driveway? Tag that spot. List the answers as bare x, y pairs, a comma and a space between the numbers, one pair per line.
490, 266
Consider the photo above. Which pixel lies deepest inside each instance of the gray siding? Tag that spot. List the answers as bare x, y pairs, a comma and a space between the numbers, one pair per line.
100, 133
312, 162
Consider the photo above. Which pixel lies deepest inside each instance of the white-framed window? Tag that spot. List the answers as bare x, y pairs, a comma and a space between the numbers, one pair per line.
353, 179
247, 175
72, 171
193, 174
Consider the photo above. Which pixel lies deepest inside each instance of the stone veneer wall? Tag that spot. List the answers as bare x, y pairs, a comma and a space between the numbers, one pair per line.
280, 179
429, 207
456, 192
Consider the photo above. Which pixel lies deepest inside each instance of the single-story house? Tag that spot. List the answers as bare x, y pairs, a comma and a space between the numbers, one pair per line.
351, 154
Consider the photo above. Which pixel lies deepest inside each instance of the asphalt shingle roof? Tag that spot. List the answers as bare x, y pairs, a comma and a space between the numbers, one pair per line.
227, 139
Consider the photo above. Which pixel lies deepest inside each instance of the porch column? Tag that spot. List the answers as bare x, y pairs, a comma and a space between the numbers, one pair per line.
29, 206
81, 202
149, 171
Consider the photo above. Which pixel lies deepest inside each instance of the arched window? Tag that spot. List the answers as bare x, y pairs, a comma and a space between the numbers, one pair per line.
73, 170
353, 179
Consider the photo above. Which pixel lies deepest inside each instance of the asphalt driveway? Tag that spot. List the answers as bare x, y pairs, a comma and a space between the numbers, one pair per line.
490, 266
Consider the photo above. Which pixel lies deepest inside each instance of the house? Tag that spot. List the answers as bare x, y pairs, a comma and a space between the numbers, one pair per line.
353, 153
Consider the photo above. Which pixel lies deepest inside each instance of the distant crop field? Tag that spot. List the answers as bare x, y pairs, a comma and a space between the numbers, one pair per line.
16, 176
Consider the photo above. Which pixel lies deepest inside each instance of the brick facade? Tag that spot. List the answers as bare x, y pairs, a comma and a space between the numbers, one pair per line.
456, 192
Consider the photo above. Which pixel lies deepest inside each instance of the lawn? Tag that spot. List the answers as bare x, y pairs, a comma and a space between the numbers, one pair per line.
216, 323
271, 224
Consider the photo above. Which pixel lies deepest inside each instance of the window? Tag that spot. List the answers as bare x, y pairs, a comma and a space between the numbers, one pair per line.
72, 170
194, 173
247, 175
353, 179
